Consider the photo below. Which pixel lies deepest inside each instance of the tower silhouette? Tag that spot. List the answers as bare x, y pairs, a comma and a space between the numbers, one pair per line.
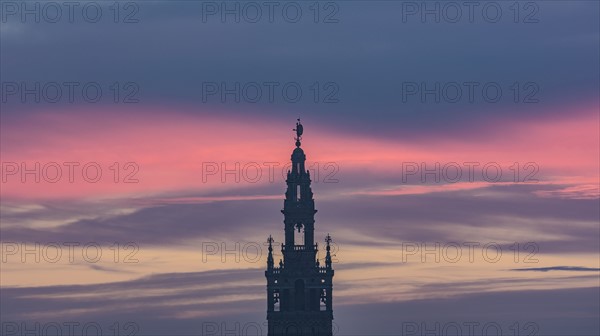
299, 290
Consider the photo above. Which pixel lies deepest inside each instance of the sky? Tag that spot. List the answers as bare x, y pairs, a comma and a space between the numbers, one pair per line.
454, 149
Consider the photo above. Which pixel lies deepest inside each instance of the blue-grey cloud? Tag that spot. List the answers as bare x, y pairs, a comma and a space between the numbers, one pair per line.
396, 219
184, 303
369, 53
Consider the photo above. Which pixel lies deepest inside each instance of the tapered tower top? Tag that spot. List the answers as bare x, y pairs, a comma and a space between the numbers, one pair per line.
299, 290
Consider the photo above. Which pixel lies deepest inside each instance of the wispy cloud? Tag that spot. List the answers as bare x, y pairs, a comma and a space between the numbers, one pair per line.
558, 268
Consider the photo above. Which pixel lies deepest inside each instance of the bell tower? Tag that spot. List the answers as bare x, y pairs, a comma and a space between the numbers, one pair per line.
299, 290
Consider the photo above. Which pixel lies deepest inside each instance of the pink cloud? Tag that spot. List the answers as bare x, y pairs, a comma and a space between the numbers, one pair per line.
170, 147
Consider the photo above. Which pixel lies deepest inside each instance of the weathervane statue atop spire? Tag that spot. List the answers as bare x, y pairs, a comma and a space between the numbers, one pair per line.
299, 130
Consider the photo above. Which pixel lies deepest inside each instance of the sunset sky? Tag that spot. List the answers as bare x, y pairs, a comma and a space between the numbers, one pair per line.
169, 146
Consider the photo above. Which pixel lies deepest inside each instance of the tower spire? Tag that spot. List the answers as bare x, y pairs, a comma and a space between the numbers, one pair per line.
299, 291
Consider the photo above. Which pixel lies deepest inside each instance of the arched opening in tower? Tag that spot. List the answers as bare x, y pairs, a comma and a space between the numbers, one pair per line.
299, 234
